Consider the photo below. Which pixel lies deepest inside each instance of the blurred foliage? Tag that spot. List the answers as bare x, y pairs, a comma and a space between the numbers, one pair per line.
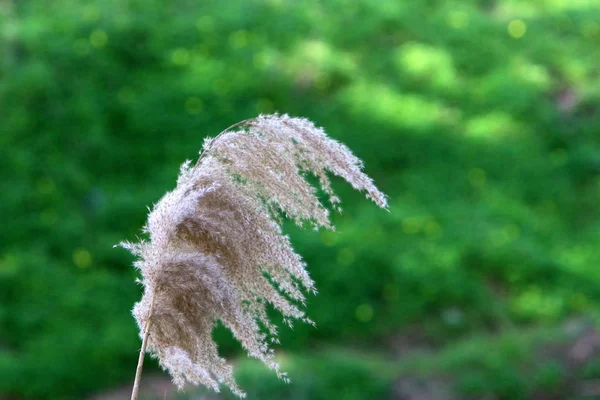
478, 117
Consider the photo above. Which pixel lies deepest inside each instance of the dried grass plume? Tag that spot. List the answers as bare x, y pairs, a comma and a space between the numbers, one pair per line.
216, 250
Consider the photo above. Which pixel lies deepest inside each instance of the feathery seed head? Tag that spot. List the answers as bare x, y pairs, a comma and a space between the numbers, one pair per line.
216, 250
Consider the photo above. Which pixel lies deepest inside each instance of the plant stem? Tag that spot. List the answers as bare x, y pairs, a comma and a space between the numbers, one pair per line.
244, 122
138, 371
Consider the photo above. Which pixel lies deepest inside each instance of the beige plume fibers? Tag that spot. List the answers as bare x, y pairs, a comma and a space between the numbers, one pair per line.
216, 250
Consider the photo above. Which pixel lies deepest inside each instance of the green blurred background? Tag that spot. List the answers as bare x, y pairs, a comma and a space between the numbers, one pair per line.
479, 118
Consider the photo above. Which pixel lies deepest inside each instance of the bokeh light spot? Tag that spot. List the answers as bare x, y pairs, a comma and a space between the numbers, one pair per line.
364, 313
432, 228
328, 238
98, 38
91, 13
9, 264
262, 60
495, 125
533, 74
48, 217
477, 177
82, 258
536, 302
180, 57
458, 19
316, 51
205, 24
517, 28
194, 105
239, 39
411, 225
